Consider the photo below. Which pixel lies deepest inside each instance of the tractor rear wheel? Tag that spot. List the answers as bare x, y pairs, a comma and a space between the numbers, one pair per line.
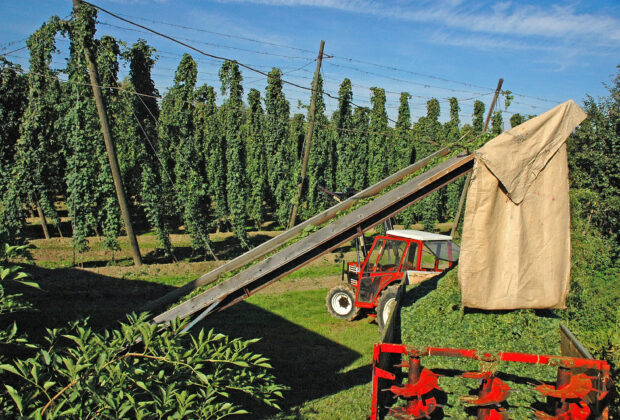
340, 301
385, 306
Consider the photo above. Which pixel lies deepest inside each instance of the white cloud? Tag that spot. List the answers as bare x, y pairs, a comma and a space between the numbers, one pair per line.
505, 18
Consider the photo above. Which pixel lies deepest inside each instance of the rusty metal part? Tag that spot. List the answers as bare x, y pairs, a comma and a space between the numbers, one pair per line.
493, 391
426, 383
565, 397
577, 387
573, 411
415, 409
420, 381
497, 414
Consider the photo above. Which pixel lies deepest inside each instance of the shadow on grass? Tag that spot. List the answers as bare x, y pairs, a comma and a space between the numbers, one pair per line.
416, 293
225, 249
70, 294
307, 362
310, 364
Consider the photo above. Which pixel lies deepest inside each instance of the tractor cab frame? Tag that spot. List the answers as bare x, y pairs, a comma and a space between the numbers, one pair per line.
372, 283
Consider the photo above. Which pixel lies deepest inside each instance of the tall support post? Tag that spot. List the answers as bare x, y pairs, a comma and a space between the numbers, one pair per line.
457, 218
46, 232
109, 146
459, 212
492, 107
304, 165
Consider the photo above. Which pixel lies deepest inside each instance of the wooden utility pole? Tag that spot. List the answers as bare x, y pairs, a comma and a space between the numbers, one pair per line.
109, 146
492, 107
46, 232
304, 165
457, 218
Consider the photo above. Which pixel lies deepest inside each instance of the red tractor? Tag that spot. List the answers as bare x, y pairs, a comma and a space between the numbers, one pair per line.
372, 284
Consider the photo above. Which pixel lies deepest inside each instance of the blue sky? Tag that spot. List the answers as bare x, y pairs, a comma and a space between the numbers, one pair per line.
547, 52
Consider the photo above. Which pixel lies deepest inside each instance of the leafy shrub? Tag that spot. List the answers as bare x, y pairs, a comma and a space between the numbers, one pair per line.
137, 370
593, 312
11, 303
593, 151
167, 374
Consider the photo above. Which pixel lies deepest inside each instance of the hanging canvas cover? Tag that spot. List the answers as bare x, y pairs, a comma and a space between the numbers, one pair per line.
515, 249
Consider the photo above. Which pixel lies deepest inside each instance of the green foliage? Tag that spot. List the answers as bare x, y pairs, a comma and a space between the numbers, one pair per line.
168, 374
516, 119
256, 159
478, 117
594, 163
508, 98
346, 150
452, 193
436, 319
361, 122
91, 196
181, 150
297, 135
296, 139
38, 169
428, 135
214, 152
176, 117
232, 111
451, 128
497, 123
594, 298
280, 157
13, 272
141, 60
107, 52
404, 147
497, 120
13, 103
322, 161
10, 304
137, 141
378, 157
11, 217
592, 305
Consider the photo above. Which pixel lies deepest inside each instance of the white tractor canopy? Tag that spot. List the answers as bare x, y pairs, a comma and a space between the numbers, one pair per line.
418, 235
441, 246
516, 233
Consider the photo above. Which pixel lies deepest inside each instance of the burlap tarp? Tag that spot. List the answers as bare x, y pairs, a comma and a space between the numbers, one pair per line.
515, 249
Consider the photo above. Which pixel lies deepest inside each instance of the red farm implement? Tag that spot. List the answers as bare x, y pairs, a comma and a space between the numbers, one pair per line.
580, 391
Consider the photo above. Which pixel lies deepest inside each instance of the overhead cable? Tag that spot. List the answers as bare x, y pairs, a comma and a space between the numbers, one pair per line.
273, 44
217, 57
211, 44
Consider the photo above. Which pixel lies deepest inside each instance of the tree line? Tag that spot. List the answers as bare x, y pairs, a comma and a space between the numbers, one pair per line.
193, 159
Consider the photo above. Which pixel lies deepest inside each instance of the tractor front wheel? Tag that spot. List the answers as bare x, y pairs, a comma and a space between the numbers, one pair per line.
385, 306
340, 302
